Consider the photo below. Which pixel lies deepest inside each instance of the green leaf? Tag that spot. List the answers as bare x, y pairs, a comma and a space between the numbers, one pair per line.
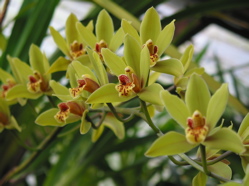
170, 66
169, 144
225, 139
165, 37
60, 41
221, 169
244, 128
176, 108
106, 94
129, 29
116, 126
187, 57
88, 37
60, 64
132, 51
144, 66
47, 118
116, 40
21, 91
114, 62
104, 27
151, 94
217, 105
200, 179
150, 26
197, 95
71, 31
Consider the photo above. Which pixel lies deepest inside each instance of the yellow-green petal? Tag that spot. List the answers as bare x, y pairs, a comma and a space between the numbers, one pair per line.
116, 126
225, 139
36, 60
170, 66
150, 26
175, 107
169, 144
114, 62
197, 95
4, 108
97, 133
244, 128
5, 76
86, 35
151, 94
217, 105
200, 179
21, 91
165, 37
129, 29
187, 57
60, 64
58, 88
116, 40
85, 125
144, 66
221, 169
104, 27
71, 31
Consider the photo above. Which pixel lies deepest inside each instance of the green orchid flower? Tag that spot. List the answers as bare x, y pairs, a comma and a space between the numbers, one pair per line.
6, 120
133, 74
104, 36
32, 82
73, 46
151, 34
198, 116
243, 132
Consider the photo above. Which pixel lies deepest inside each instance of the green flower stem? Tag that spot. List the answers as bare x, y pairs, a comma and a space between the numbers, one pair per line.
44, 144
21, 142
191, 162
221, 157
204, 160
90, 120
181, 163
148, 119
112, 108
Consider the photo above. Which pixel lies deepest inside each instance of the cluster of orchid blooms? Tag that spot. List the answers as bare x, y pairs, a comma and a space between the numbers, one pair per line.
101, 81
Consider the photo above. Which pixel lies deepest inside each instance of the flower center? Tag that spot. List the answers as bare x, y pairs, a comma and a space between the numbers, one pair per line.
153, 49
6, 87
36, 83
99, 46
77, 49
3, 119
197, 129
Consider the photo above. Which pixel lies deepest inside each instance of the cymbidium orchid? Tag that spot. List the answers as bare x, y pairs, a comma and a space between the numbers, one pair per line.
133, 74
151, 34
198, 115
73, 46
105, 36
32, 82
6, 120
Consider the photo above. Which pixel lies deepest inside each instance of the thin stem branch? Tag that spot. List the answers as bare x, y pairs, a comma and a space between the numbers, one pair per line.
21, 142
148, 119
191, 162
181, 163
3, 13
113, 110
221, 157
43, 145
204, 160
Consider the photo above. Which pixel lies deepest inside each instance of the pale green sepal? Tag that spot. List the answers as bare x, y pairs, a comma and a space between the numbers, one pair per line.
20, 69
58, 88
4, 108
153, 77
244, 128
64, 97
106, 94
196, 70
129, 29
150, 26
221, 169
84, 60
200, 179
13, 124
114, 62
85, 125
151, 94
97, 133
60, 64
197, 95
169, 144
86, 35
225, 139
116, 126
59, 40
5, 76
169, 66
116, 40
104, 27
217, 105
187, 57
71, 31
144, 66
165, 37
36, 60
21, 91
83, 70
175, 107
132, 51
47, 118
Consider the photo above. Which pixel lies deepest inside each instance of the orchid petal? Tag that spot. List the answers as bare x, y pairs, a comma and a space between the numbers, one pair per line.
71, 31
221, 169
116, 126
144, 66
244, 128
60, 64
129, 29
200, 179
5, 76
97, 133
86, 35
116, 40
187, 57
85, 125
